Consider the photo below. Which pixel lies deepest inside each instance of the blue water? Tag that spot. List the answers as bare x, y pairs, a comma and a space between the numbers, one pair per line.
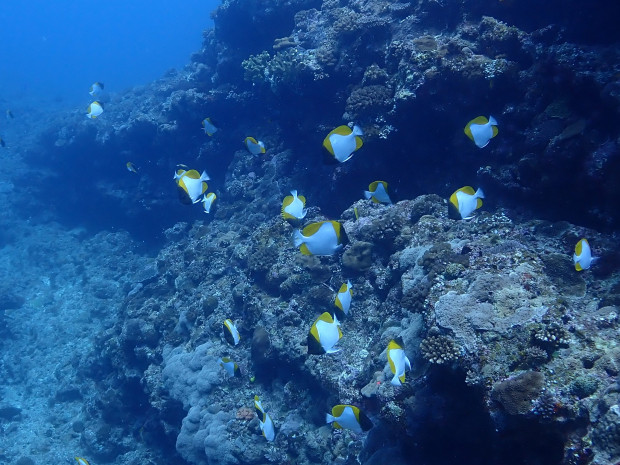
53, 51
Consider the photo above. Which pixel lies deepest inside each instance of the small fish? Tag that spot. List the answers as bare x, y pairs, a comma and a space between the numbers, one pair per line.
321, 238
94, 110
348, 417
293, 207
466, 201
481, 130
324, 335
2, 143
207, 201
254, 147
231, 334
398, 362
9, 114
81, 461
231, 367
377, 192
208, 127
181, 165
343, 141
343, 298
191, 185
582, 257
131, 167
96, 89
266, 424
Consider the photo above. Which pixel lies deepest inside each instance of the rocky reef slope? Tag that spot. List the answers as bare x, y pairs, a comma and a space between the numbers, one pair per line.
513, 352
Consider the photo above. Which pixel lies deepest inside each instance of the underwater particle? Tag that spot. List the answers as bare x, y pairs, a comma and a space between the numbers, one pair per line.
481, 130
466, 201
439, 350
348, 417
343, 141
378, 192
516, 394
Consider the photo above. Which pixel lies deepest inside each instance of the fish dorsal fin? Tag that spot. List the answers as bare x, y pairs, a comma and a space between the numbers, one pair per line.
336, 425
193, 174
467, 190
327, 318
287, 201
372, 187
205, 186
312, 228
495, 131
343, 288
250, 140
478, 203
302, 198
578, 266
338, 410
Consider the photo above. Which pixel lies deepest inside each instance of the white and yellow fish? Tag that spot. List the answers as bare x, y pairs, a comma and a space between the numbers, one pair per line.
398, 362
231, 367
344, 296
293, 207
582, 257
466, 201
377, 192
94, 109
231, 334
96, 89
207, 201
208, 126
191, 185
343, 141
320, 238
266, 424
348, 417
254, 147
324, 335
481, 130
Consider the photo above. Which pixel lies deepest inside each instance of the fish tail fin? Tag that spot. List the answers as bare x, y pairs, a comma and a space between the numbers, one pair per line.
367, 194
479, 194
294, 192
204, 176
303, 213
492, 121
329, 418
357, 131
298, 238
395, 381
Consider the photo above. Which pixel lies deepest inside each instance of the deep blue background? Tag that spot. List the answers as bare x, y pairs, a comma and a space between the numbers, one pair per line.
54, 51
